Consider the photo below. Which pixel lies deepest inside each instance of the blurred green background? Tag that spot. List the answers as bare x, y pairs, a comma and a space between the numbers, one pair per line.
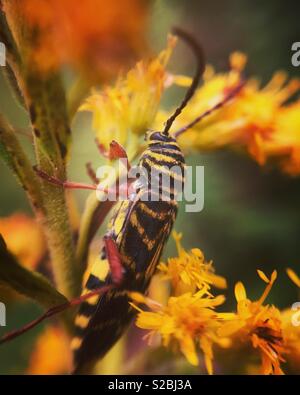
251, 218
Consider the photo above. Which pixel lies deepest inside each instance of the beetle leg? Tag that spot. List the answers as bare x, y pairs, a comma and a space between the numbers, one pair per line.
116, 151
121, 188
68, 184
53, 311
101, 148
114, 259
91, 173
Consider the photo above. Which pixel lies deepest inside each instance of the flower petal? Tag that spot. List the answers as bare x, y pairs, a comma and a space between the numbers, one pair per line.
263, 276
187, 347
240, 292
293, 276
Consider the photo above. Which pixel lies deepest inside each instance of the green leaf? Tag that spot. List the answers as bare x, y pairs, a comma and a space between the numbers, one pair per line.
26, 282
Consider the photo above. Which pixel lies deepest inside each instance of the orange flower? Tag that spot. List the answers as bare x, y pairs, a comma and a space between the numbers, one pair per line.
24, 238
100, 34
51, 353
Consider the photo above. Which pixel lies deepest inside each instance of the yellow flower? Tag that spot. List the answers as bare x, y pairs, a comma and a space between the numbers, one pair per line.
189, 271
51, 353
17, 230
124, 112
214, 131
257, 325
256, 119
185, 322
283, 143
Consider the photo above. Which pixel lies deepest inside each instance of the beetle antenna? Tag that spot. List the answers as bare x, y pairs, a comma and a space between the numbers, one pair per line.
230, 95
197, 50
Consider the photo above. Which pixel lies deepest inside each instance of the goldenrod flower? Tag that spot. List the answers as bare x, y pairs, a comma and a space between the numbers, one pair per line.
283, 143
256, 119
258, 325
51, 353
189, 271
185, 322
124, 112
16, 230
290, 327
214, 131
291, 334
98, 36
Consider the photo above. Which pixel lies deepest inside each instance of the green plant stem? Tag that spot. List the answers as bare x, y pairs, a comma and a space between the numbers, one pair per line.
45, 99
51, 145
15, 158
58, 231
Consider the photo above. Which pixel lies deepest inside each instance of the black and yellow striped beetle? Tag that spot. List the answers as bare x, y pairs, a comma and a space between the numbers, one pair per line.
137, 233
136, 236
